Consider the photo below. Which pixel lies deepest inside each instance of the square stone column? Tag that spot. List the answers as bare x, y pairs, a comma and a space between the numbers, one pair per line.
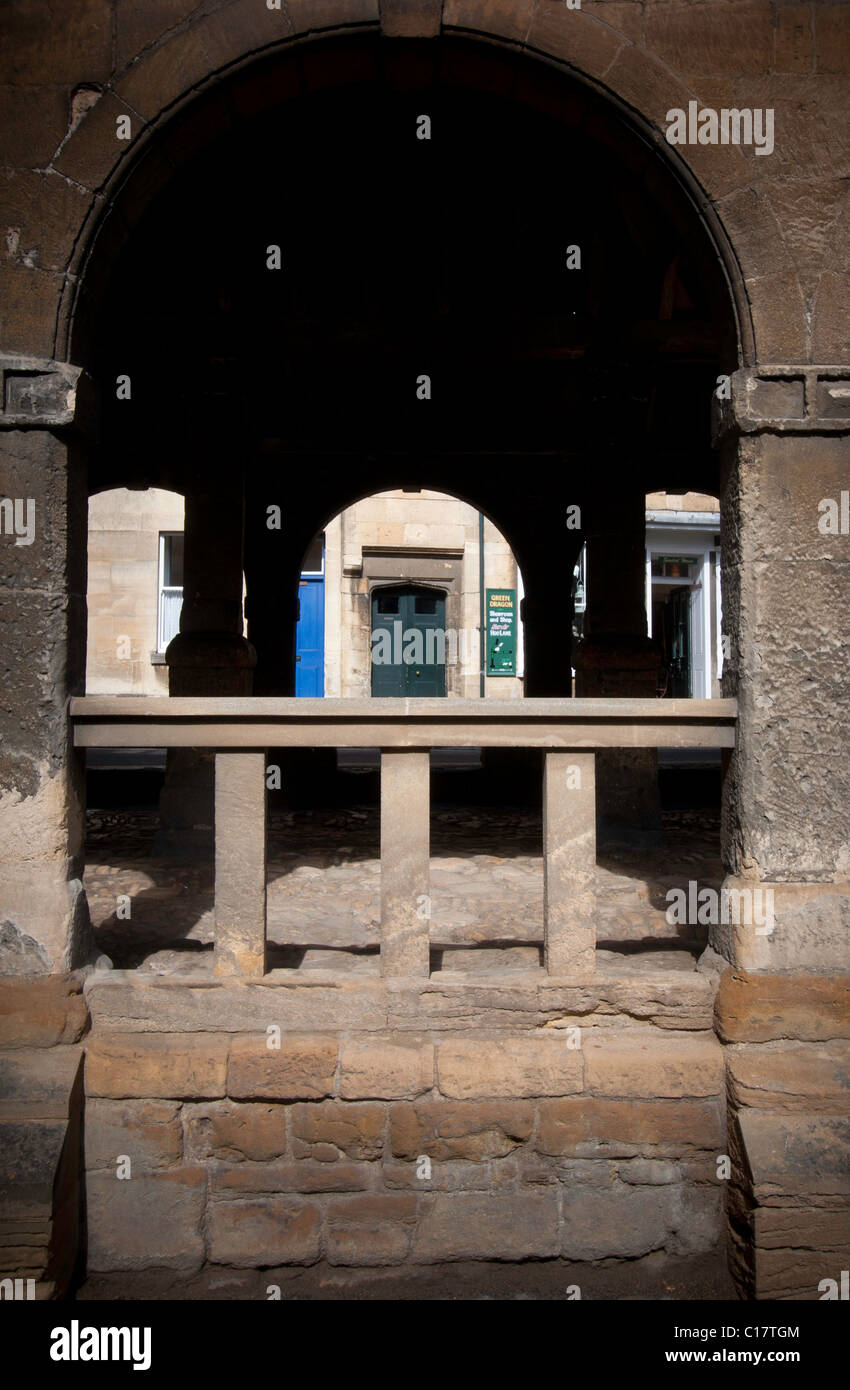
405, 855
44, 920
240, 863
569, 862
785, 436
209, 655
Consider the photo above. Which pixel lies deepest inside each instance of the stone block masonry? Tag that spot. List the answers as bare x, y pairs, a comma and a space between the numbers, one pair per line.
371, 1151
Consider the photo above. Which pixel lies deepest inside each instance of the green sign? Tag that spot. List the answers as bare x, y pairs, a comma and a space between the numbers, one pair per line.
501, 632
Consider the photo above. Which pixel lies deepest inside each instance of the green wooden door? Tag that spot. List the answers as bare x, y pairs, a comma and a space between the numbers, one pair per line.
409, 645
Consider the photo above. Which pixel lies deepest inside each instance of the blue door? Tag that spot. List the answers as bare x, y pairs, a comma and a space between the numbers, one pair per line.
310, 637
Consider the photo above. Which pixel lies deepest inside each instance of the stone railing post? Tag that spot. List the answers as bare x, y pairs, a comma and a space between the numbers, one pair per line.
569, 862
240, 863
405, 852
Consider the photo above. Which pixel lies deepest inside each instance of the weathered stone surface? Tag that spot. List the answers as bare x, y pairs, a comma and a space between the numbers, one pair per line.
462, 1175
653, 1064
653, 1171
132, 1001
796, 1076
411, 19
569, 862
729, 37
278, 1230
240, 863
794, 1154
598, 1223
302, 1176
39, 1081
797, 1274
32, 45
303, 1067
405, 839
30, 1152
585, 1126
474, 1130
234, 1132
759, 1008
148, 1132
595, 1171
698, 1218
497, 1226
163, 1066
793, 1228
538, 1065
574, 37
41, 1012
307, 15
146, 1222
373, 1230
385, 1069
334, 1127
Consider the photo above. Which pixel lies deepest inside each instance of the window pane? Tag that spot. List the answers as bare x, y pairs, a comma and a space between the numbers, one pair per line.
388, 603
173, 562
426, 603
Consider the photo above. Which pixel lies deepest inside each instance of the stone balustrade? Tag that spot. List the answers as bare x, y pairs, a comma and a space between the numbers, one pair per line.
240, 730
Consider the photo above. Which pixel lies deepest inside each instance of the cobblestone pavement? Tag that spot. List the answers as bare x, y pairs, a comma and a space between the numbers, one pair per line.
324, 891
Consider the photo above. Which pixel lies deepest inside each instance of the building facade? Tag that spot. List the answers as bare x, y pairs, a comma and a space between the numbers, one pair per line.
362, 576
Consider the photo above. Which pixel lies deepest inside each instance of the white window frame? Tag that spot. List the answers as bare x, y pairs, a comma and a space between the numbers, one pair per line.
163, 588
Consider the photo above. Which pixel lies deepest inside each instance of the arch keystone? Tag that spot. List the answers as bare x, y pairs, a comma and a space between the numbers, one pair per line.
411, 19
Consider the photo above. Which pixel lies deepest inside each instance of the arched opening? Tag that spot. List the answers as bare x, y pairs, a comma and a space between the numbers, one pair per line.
401, 592
435, 310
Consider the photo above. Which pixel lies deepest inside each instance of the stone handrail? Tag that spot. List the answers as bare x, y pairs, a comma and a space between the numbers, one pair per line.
240, 731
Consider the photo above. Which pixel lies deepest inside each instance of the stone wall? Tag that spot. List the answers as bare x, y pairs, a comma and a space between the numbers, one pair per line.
374, 1150
788, 1077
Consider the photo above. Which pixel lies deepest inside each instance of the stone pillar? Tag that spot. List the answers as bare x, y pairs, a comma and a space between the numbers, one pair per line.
786, 594
46, 409
405, 869
209, 655
240, 863
616, 659
569, 862
785, 505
